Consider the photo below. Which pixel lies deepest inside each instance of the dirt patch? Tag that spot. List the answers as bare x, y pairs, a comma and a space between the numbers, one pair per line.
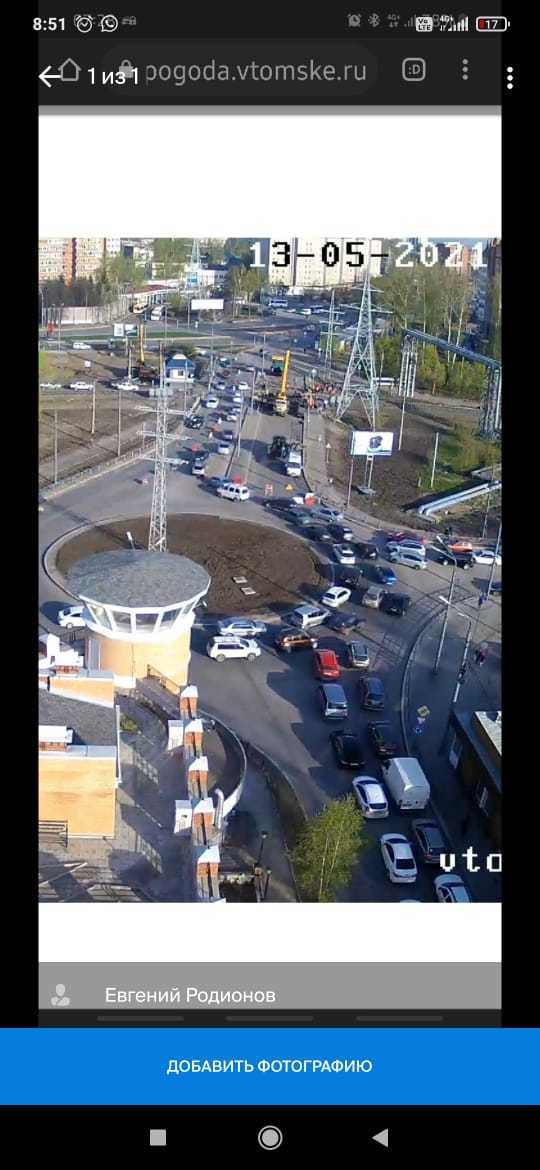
404, 478
278, 567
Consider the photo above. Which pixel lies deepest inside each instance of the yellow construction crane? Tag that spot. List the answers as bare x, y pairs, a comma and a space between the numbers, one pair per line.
280, 405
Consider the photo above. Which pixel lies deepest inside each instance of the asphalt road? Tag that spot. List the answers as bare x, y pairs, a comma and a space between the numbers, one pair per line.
272, 701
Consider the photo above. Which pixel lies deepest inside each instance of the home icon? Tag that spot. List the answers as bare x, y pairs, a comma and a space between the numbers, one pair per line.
69, 70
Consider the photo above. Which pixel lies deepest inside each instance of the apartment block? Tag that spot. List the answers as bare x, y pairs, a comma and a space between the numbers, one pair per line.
55, 259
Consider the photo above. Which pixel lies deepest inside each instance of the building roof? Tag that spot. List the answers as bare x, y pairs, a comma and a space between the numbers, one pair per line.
137, 579
465, 720
176, 363
92, 725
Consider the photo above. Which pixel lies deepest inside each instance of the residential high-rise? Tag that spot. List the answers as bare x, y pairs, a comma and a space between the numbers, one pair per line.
89, 256
55, 259
314, 263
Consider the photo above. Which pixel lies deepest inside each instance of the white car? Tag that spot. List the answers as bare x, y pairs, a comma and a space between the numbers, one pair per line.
51, 385
486, 556
231, 416
241, 627
220, 385
126, 385
224, 448
344, 554
395, 545
449, 887
212, 402
242, 386
398, 858
81, 345
229, 647
335, 596
370, 796
237, 399
70, 617
81, 385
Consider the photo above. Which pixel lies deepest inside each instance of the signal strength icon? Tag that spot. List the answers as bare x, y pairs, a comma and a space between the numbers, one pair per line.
410, 23
459, 25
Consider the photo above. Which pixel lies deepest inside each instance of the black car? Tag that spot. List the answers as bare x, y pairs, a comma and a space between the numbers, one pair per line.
383, 740
195, 422
216, 481
367, 549
315, 532
343, 622
430, 840
341, 533
282, 507
396, 603
227, 436
348, 576
462, 560
278, 448
372, 696
201, 459
348, 749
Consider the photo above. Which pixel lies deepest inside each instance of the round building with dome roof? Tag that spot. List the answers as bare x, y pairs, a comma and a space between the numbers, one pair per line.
139, 609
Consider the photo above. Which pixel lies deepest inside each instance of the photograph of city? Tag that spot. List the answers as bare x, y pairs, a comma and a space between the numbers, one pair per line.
270, 556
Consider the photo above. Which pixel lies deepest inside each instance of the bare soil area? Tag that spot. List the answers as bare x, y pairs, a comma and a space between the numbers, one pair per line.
280, 568
403, 479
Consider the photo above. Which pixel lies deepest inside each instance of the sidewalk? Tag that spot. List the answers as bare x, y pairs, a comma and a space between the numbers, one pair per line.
481, 691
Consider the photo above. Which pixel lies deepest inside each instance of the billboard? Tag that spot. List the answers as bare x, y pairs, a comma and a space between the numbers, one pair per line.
209, 303
371, 443
121, 330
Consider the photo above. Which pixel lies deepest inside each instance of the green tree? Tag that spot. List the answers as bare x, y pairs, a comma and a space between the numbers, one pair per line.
387, 355
431, 370
495, 316
327, 850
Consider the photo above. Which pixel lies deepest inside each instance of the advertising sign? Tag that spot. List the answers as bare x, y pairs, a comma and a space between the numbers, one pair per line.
118, 329
209, 303
371, 443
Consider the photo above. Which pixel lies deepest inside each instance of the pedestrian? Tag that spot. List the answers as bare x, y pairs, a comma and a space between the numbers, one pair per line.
481, 600
480, 657
465, 824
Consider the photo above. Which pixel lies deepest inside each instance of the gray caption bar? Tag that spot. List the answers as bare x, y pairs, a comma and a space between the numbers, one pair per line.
304, 986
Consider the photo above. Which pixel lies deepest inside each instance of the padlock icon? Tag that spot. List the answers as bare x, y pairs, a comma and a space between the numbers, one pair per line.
127, 69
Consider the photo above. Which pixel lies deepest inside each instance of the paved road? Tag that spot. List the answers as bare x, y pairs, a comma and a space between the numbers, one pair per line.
272, 702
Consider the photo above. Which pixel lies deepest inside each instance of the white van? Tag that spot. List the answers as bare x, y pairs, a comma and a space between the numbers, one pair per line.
407, 782
294, 463
412, 558
234, 491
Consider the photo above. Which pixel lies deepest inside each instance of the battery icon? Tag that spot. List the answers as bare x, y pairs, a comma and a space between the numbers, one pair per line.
491, 23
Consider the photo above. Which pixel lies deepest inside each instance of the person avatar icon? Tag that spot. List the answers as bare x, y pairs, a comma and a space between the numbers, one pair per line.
60, 999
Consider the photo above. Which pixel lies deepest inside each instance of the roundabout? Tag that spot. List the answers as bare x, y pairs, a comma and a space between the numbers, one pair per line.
276, 566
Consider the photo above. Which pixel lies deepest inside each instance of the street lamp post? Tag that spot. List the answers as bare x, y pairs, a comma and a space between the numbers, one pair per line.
445, 622
264, 835
267, 883
461, 673
497, 546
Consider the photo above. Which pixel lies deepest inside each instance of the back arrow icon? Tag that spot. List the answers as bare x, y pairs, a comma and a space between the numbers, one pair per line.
44, 77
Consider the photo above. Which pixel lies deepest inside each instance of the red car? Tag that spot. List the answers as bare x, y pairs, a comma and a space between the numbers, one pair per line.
326, 664
397, 537
458, 546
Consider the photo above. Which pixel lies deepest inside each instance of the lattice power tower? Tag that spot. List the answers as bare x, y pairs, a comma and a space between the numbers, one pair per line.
157, 539
362, 361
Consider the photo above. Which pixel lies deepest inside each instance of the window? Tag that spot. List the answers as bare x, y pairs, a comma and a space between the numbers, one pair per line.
99, 615
145, 622
122, 619
170, 615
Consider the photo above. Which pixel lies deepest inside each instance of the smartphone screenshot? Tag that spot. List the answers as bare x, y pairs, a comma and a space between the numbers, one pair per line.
270, 348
